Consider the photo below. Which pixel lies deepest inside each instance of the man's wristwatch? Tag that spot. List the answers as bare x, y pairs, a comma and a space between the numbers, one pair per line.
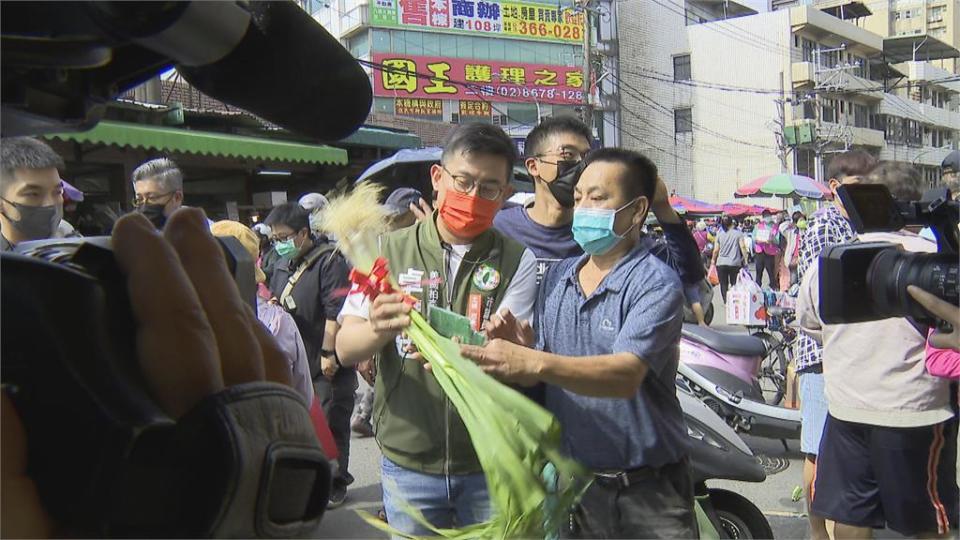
333, 354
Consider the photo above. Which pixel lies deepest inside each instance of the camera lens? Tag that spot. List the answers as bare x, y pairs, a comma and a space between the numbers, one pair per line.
892, 270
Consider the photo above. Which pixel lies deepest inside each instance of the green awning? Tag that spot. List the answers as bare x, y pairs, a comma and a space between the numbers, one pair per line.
384, 138
205, 143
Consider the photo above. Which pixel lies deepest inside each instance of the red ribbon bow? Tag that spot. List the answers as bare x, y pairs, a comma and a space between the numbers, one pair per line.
376, 282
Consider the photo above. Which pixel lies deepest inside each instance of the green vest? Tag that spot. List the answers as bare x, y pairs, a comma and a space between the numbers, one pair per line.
416, 425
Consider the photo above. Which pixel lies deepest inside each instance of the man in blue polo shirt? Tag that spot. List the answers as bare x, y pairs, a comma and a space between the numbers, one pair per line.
607, 337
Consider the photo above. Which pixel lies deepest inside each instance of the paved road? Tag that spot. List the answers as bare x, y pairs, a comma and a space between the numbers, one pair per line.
773, 496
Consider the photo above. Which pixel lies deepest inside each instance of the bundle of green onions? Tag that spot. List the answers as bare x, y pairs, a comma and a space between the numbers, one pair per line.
517, 441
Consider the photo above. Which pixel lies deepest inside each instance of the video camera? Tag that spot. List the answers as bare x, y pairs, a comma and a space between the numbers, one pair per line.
107, 460
868, 281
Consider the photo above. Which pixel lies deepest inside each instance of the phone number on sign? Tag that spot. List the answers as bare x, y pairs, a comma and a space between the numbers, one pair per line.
557, 31
535, 93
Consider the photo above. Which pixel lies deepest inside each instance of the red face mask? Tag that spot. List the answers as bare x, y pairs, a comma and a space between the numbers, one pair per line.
467, 216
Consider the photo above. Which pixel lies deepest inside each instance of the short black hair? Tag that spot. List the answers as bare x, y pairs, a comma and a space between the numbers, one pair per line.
538, 136
641, 172
726, 222
477, 138
25, 153
290, 214
903, 180
851, 163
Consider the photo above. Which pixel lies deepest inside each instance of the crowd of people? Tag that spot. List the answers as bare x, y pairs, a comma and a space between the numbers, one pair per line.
583, 311
772, 243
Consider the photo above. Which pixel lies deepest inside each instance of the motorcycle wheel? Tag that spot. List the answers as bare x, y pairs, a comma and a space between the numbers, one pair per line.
773, 370
739, 518
708, 315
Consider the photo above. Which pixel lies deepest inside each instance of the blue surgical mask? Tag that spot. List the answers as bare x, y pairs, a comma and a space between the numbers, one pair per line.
593, 228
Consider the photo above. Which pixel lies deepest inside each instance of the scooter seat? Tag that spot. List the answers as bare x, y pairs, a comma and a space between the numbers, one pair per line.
722, 342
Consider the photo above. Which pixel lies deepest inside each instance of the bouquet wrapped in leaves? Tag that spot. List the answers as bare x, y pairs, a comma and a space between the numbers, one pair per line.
532, 485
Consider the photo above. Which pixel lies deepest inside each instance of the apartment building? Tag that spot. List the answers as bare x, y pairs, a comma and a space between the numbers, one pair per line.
720, 102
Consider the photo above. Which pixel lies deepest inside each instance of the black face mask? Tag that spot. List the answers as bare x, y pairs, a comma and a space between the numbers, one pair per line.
154, 212
568, 172
36, 222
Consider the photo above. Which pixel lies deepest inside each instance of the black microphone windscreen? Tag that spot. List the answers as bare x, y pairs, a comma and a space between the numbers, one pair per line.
288, 70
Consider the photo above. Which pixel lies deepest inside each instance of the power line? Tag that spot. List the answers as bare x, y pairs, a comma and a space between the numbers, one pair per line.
646, 99
664, 77
718, 29
773, 45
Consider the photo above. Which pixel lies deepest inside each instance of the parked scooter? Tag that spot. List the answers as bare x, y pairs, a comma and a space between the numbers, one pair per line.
721, 369
706, 300
718, 453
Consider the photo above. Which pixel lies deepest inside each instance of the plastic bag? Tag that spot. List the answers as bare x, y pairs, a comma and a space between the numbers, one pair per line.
712, 276
745, 302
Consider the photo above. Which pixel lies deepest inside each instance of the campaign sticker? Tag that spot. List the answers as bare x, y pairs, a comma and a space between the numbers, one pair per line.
486, 278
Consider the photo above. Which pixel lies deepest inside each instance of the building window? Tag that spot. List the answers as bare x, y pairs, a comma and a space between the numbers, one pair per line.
359, 45
935, 14
383, 105
936, 138
521, 113
681, 68
828, 111
860, 118
683, 120
808, 48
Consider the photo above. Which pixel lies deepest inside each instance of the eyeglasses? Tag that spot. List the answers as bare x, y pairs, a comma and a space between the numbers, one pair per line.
139, 201
283, 238
565, 154
465, 184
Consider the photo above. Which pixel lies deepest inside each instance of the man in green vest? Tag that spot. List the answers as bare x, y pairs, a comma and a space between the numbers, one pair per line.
454, 260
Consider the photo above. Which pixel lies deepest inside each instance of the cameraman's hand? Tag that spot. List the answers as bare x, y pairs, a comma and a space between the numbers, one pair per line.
942, 310
195, 336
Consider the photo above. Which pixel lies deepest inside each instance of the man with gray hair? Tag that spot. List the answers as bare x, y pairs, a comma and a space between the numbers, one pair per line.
158, 185
31, 192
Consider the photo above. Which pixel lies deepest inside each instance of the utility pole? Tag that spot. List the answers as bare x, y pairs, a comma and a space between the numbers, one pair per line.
782, 147
587, 64
829, 79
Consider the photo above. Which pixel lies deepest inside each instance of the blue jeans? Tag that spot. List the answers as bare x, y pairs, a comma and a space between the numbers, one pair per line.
445, 501
813, 411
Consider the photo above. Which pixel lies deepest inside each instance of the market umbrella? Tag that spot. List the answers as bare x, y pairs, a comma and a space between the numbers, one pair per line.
686, 205
784, 185
739, 210
405, 162
411, 168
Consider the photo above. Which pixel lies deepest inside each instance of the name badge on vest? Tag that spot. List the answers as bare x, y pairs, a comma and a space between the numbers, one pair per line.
411, 282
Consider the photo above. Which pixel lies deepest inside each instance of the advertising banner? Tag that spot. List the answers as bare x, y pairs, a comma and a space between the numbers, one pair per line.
418, 107
475, 80
527, 20
474, 108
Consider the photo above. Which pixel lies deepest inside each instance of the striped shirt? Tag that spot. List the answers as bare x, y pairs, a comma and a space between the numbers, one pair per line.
825, 228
